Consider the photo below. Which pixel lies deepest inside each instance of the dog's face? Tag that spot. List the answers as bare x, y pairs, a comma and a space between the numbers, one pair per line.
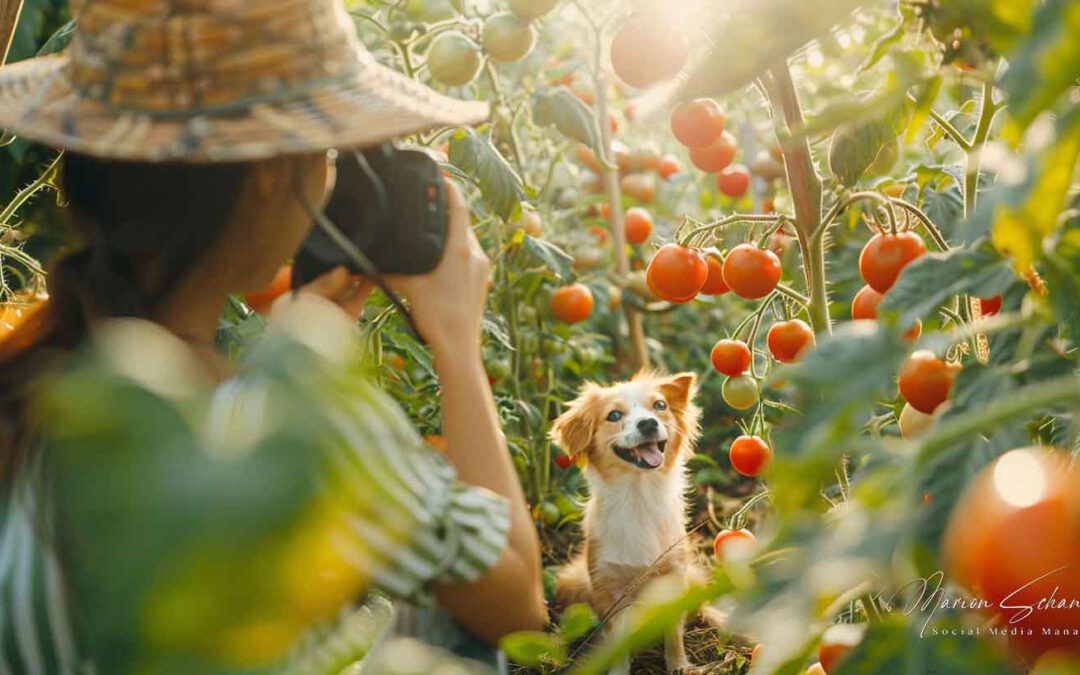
646, 424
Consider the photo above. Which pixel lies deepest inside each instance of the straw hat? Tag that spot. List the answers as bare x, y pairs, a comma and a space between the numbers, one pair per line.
216, 81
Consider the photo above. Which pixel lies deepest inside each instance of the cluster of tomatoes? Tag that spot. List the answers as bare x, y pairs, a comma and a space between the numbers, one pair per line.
699, 125
455, 58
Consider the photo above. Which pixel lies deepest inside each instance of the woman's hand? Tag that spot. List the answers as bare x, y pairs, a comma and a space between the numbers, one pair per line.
447, 303
348, 291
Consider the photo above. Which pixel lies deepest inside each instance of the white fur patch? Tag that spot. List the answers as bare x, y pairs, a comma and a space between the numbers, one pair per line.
637, 517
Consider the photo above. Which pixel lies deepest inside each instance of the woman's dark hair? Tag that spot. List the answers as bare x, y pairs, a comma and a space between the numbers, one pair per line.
139, 229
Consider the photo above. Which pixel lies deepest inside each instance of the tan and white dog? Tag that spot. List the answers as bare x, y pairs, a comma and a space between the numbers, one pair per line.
636, 437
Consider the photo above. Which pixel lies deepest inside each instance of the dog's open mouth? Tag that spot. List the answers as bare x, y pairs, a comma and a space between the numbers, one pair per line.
648, 455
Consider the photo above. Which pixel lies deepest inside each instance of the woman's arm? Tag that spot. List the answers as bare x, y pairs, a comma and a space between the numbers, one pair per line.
448, 307
509, 596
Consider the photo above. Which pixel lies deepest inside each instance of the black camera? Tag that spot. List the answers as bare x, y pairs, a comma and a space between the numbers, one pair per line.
390, 204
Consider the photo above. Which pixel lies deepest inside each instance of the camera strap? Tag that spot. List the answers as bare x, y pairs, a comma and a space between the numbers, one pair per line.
362, 262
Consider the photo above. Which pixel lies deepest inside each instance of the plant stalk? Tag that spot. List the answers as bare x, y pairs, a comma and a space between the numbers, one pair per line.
805, 186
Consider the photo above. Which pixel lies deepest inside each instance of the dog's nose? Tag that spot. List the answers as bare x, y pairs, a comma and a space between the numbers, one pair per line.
648, 426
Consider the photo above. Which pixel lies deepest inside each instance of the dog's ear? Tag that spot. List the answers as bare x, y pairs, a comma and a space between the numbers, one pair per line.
679, 389
573, 430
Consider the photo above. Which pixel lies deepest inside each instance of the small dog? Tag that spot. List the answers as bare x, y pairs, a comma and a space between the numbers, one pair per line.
636, 437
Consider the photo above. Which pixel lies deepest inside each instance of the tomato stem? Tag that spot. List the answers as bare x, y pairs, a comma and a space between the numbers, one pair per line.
805, 186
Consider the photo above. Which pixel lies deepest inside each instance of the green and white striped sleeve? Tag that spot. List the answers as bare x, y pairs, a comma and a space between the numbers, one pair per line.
425, 526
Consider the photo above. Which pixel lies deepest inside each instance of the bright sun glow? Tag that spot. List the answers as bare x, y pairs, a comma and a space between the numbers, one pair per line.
1019, 479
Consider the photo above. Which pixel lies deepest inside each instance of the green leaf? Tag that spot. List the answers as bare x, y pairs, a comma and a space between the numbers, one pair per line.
533, 648
567, 113
1046, 65
1019, 227
756, 35
576, 621
930, 281
854, 148
500, 186
944, 479
1062, 272
549, 255
895, 646
923, 104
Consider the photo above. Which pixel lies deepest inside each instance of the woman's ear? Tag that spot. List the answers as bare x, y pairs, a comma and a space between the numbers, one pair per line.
573, 430
679, 389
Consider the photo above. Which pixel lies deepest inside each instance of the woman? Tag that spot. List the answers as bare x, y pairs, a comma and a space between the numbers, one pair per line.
165, 509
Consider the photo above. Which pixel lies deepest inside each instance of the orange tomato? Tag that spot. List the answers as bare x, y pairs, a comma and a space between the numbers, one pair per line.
925, 381
750, 272
676, 273
734, 181
698, 123
669, 166
789, 340
573, 303
1013, 539
885, 255
647, 50
639, 225
715, 156
260, 301
734, 545
731, 357
714, 281
750, 455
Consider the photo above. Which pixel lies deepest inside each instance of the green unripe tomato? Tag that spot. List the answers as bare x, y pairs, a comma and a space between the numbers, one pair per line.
740, 392
531, 9
507, 37
453, 58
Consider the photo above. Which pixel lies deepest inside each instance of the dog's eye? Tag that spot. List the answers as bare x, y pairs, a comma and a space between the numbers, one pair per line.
614, 416
660, 405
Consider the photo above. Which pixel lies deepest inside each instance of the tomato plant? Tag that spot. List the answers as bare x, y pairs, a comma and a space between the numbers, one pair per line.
656, 175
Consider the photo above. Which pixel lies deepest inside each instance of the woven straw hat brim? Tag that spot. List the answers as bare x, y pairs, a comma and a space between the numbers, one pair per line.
38, 102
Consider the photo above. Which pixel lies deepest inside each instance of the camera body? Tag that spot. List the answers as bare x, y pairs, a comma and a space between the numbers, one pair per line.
391, 204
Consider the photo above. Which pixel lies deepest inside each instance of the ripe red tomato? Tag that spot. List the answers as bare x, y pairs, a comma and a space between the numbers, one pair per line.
865, 304
990, 306
750, 455
1027, 498
837, 642
647, 50
716, 155
639, 225
669, 166
573, 303
750, 272
734, 545
676, 273
731, 357
563, 461
697, 123
714, 282
755, 653
600, 233
925, 381
885, 255
734, 180
789, 340
261, 301
740, 392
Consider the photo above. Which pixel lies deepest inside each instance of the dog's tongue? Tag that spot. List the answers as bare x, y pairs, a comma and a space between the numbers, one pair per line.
650, 454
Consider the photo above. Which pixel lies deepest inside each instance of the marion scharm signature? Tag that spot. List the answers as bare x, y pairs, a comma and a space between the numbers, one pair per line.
928, 596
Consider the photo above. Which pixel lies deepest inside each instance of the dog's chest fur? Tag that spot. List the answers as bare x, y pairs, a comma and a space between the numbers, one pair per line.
634, 519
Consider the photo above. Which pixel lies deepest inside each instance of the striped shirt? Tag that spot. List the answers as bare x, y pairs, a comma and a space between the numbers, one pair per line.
173, 527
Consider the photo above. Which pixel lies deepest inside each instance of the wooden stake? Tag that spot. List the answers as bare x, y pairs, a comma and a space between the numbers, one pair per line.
9, 18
